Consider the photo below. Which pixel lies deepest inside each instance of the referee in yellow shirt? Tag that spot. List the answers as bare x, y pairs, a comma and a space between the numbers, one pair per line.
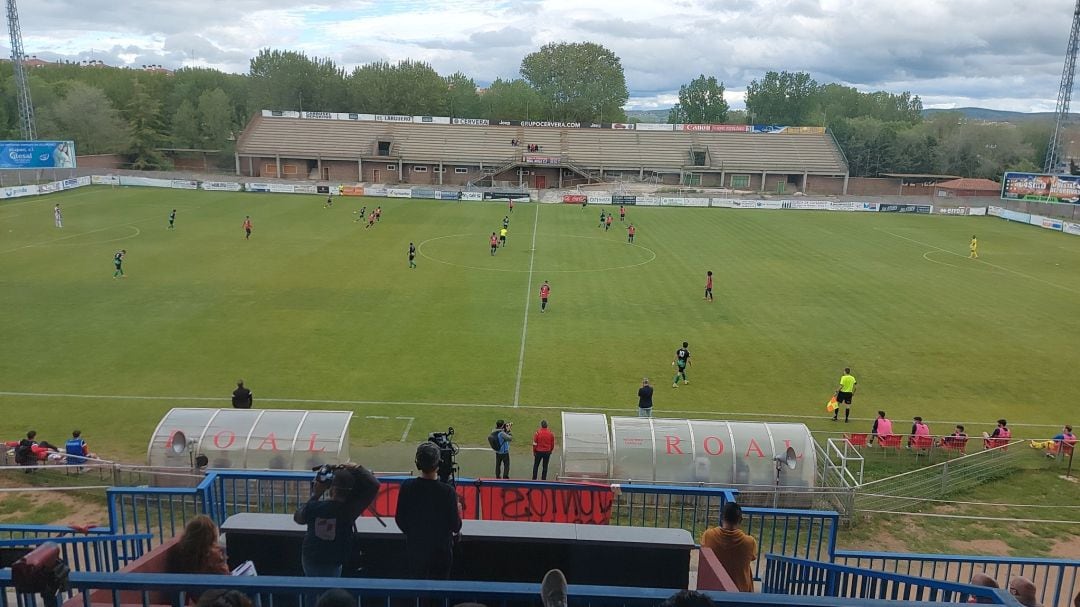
974, 246
844, 395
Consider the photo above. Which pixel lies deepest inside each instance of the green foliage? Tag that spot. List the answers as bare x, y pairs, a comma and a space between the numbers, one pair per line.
462, 100
407, 87
288, 80
582, 82
512, 100
85, 115
700, 102
781, 98
185, 126
216, 119
144, 116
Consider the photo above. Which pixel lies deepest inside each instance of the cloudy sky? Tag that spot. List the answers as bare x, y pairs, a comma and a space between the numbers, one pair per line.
1000, 54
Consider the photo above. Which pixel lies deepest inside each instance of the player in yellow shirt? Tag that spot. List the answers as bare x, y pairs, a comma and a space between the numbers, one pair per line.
974, 246
502, 236
844, 395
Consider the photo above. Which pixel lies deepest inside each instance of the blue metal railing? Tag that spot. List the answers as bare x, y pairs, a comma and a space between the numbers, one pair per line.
690, 508
808, 534
1057, 580
802, 577
160, 511
95, 553
292, 590
14, 532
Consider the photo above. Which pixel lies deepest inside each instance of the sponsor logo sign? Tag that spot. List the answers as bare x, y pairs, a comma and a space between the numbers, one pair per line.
471, 121
184, 184
68, 184
599, 198
304, 189
922, 209
221, 186
37, 154
105, 180
535, 159
806, 205
1045, 222
423, 192
258, 187
375, 190
444, 195
472, 195
758, 204
622, 126
20, 191
684, 202
714, 128
1070, 228
1040, 186
392, 118
641, 126
952, 211
555, 125
648, 201
515, 196
995, 211
399, 193
319, 115
976, 210
628, 200
351, 190
145, 182
574, 198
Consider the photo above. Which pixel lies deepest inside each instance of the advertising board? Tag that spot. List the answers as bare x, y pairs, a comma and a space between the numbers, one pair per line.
37, 154
1040, 186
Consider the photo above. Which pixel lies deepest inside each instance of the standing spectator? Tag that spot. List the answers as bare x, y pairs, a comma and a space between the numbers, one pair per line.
429, 514
328, 541
500, 441
1001, 433
543, 445
844, 395
644, 399
733, 548
918, 428
241, 396
882, 427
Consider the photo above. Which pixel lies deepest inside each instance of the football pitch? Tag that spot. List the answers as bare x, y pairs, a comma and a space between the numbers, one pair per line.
316, 311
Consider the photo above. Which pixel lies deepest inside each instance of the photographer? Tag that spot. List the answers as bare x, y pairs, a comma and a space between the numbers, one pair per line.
328, 541
499, 439
429, 514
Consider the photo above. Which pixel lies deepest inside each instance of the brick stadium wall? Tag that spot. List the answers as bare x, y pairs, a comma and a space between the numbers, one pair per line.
101, 161
345, 171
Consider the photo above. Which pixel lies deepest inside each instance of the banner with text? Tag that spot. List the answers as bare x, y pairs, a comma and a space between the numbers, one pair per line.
37, 154
921, 209
398, 193
19, 191
221, 186
444, 195
624, 200
675, 201
1070, 228
574, 198
375, 190
184, 184
581, 503
105, 180
1042, 187
515, 196
472, 195
423, 193
145, 182
1045, 222
600, 198
351, 190
648, 201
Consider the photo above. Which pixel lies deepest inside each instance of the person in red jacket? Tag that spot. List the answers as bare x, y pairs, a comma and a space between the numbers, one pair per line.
543, 445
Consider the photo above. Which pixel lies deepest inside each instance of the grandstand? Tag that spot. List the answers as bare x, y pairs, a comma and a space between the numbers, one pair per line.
433, 151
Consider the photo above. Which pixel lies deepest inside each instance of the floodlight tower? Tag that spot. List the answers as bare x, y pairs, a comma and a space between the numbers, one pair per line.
1054, 151
22, 84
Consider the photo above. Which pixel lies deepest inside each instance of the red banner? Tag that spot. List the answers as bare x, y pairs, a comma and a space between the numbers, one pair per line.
574, 198
584, 503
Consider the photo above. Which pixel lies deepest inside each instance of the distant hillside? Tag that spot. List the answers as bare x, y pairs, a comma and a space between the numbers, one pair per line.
974, 113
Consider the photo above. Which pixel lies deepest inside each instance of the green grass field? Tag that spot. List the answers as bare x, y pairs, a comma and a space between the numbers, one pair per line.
318, 309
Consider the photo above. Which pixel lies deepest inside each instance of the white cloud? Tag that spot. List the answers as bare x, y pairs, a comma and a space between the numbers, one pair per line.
992, 53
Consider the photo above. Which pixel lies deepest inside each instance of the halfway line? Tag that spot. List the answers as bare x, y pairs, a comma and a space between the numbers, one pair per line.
528, 299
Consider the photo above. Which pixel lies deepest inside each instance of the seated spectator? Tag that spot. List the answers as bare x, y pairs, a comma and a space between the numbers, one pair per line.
882, 427
24, 454
198, 550
734, 549
956, 438
1001, 432
76, 450
1024, 591
224, 598
981, 579
688, 598
918, 428
1053, 446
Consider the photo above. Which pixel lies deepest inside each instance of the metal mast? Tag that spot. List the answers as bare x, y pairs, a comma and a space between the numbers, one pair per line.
22, 84
1054, 150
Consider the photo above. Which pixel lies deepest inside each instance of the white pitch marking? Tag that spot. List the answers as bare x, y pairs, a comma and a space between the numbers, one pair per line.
528, 300
408, 427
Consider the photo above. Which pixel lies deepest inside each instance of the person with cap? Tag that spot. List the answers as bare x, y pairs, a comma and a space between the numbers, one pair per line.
327, 542
429, 514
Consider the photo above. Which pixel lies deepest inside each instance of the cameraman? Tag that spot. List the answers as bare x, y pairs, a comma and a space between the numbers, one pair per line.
328, 540
502, 438
429, 514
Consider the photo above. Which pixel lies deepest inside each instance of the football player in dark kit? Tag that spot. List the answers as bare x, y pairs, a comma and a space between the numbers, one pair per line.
429, 514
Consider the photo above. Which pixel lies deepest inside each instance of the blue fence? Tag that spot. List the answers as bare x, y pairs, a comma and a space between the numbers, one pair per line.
97, 553
383, 593
808, 534
801, 577
14, 532
690, 508
1057, 580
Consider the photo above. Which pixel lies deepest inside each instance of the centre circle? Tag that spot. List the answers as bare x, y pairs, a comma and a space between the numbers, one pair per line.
555, 253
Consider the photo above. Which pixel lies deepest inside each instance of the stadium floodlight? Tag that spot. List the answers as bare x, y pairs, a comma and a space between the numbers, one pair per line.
1054, 152
22, 83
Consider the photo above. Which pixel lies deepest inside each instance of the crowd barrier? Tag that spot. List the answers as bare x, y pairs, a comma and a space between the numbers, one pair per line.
92, 553
1047, 223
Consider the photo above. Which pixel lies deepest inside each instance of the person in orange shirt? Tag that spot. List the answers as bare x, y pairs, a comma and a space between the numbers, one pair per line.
734, 549
543, 445
545, 292
247, 228
494, 243
630, 233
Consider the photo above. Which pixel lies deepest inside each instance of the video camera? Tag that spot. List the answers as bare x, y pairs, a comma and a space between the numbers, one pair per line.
448, 467
325, 472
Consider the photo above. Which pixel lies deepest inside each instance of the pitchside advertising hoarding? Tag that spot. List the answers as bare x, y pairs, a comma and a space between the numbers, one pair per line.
1041, 187
37, 154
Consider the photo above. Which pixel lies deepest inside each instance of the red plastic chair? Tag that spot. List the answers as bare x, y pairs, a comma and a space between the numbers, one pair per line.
889, 441
993, 443
921, 445
856, 439
954, 444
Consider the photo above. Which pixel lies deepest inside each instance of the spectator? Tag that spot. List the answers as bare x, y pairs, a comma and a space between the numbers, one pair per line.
197, 551
514, 142
220, 597
241, 396
553, 591
981, 579
502, 437
688, 598
336, 597
1001, 432
958, 437
1066, 438
644, 398
24, 452
429, 514
918, 428
76, 449
543, 445
882, 427
733, 548
328, 541
1024, 591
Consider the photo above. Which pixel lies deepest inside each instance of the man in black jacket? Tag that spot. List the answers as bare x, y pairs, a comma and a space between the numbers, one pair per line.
429, 514
241, 396
327, 543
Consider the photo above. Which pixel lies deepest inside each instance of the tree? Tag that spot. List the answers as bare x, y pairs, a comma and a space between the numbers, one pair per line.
215, 119
580, 82
511, 100
781, 98
144, 115
288, 80
407, 87
185, 126
700, 102
85, 115
462, 100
